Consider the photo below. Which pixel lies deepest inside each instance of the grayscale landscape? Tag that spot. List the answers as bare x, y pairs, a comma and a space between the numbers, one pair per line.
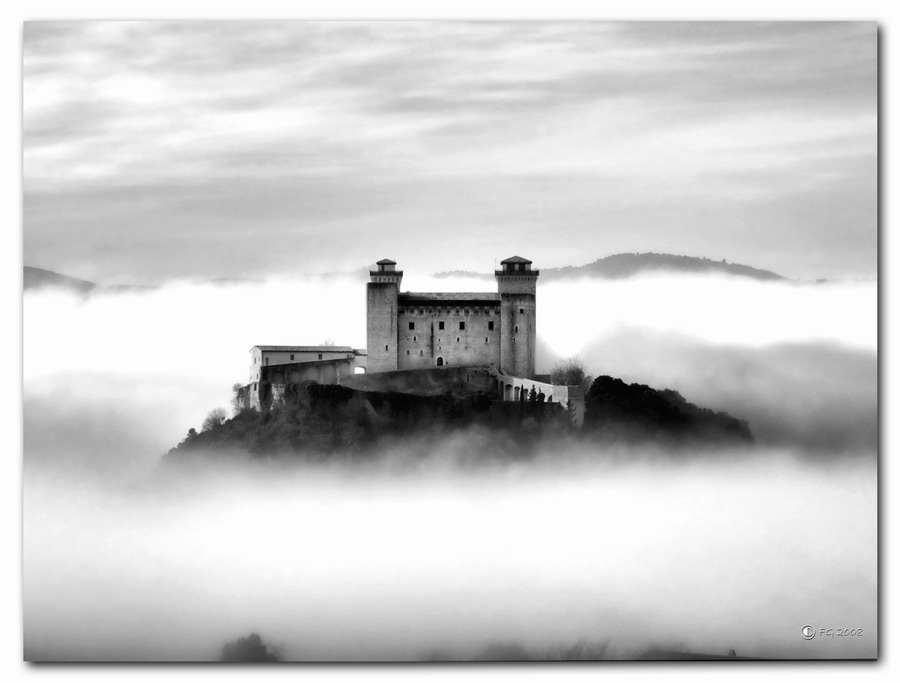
703, 220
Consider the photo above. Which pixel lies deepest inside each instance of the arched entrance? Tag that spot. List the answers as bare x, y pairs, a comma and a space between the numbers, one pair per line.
439, 361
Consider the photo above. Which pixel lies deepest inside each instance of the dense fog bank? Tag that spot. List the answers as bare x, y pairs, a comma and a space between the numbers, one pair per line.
440, 546
392, 561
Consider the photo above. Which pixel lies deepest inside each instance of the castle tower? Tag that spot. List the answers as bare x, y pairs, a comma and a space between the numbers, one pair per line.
517, 284
382, 292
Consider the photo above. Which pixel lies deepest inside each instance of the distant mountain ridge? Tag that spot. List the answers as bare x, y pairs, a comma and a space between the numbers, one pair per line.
38, 278
619, 266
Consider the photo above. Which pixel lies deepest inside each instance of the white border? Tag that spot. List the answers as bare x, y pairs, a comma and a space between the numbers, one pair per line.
14, 13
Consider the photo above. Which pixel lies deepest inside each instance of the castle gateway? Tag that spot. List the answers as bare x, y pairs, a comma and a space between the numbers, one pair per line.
419, 330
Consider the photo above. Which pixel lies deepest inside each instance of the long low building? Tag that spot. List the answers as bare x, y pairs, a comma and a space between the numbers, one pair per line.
262, 356
274, 367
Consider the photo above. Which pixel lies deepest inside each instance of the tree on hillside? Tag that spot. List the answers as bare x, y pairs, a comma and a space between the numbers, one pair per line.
216, 417
250, 649
237, 405
571, 372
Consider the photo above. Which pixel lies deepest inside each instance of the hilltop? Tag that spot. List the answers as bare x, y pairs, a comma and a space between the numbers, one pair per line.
318, 421
632, 412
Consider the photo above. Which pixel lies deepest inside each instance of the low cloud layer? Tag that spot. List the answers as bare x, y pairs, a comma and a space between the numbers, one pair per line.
332, 565
798, 361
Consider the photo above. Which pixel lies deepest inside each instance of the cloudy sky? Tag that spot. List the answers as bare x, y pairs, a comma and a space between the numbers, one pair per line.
156, 151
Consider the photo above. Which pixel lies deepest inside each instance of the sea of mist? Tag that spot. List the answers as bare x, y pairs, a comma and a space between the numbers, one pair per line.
441, 548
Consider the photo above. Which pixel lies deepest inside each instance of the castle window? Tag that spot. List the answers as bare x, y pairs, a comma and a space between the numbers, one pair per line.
320, 357
466, 311
485, 340
412, 326
517, 328
441, 325
462, 324
457, 340
415, 338
490, 324
420, 353
421, 311
457, 311
407, 352
429, 311
385, 347
521, 310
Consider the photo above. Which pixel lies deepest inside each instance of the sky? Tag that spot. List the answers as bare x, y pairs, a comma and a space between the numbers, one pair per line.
160, 151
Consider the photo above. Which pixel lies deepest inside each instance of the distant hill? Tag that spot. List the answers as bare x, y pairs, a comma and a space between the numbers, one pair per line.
620, 266
626, 265
38, 278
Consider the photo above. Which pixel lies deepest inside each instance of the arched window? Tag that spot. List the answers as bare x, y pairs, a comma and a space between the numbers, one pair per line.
439, 361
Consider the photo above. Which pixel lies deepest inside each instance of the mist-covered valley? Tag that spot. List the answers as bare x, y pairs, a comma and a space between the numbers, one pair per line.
441, 549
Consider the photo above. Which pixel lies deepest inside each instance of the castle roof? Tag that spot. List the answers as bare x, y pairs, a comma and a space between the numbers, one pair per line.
385, 262
448, 297
307, 349
515, 259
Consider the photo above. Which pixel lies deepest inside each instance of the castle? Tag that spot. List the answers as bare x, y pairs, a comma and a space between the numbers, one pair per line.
426, 343
418, 330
